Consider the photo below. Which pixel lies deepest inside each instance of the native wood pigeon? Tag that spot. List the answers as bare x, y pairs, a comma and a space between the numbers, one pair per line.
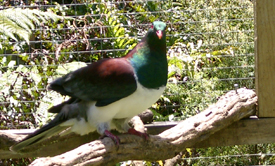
106, 94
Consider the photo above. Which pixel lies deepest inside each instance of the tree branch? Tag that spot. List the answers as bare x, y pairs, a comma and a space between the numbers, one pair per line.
230, 108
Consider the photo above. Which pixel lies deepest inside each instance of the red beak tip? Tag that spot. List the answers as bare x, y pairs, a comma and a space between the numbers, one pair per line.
159, 34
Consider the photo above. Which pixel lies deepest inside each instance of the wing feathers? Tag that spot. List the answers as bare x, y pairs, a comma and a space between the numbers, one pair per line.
57, 108
105, 81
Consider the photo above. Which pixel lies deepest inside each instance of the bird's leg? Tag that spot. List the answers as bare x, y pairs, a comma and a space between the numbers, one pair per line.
122, 126
138, 128
103, 129
112, 136
138, 133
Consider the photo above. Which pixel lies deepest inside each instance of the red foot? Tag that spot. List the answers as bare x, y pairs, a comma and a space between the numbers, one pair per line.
140, 134
112, 136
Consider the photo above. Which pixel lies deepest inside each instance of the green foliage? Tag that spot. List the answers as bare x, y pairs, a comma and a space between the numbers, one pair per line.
204, 64
21, 22
115, 29
235, 155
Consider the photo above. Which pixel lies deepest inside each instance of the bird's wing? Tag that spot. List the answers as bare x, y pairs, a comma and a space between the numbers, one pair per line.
105, 82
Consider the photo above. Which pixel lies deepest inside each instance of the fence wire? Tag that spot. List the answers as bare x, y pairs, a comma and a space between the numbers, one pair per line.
210, 47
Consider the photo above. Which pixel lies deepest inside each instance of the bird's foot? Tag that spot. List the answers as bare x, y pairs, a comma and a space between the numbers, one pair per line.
140, 134
112, 136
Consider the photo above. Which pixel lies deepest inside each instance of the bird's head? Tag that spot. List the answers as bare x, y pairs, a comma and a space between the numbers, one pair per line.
156, 32
158, 27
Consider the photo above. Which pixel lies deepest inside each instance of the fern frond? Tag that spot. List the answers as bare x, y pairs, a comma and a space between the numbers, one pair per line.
20, 22
9, 28
19, 18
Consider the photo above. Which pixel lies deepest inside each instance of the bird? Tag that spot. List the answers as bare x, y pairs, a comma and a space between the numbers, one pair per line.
106, 94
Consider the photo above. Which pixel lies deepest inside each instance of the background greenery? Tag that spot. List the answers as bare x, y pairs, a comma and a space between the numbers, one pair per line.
210, 48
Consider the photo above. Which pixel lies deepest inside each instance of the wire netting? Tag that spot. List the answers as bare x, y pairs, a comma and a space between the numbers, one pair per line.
210, 47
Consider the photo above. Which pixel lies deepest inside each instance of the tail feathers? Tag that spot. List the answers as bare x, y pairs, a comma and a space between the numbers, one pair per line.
38, 136
71, 109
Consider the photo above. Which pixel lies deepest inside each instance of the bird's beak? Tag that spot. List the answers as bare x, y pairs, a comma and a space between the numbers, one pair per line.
159, 34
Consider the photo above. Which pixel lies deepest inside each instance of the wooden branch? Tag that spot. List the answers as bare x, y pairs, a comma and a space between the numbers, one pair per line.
230, 108
173, 161
247, 131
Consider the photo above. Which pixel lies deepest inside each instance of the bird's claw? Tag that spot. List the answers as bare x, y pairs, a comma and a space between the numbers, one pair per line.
112, 136
140, 134
130, 131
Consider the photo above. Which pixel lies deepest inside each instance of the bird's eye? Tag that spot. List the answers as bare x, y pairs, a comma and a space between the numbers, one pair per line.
152, 26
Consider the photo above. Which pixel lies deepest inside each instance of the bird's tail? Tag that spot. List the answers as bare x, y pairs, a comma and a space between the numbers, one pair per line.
38, 136
66, 111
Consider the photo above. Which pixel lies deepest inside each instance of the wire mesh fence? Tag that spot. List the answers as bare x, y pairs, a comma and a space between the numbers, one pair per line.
210, 47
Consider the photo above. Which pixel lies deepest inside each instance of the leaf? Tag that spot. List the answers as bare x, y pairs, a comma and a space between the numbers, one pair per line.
160, 162
20, 22
68, 67
11, 64
119, 32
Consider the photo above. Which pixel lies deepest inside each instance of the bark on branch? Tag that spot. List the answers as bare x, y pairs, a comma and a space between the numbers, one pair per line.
231, 107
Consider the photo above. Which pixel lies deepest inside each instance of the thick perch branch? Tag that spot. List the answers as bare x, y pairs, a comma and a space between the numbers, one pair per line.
230, 108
